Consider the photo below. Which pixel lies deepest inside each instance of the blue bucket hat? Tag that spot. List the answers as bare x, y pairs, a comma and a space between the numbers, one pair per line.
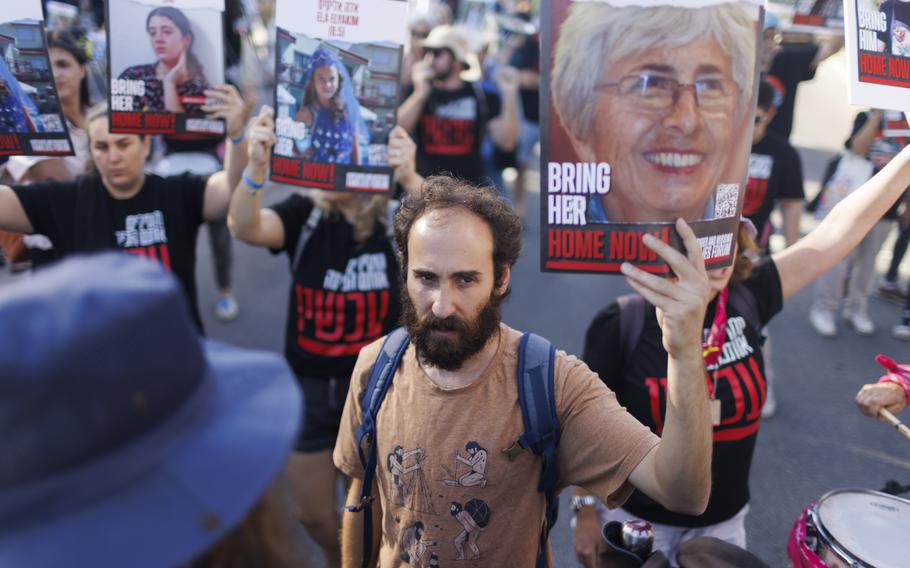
127, 440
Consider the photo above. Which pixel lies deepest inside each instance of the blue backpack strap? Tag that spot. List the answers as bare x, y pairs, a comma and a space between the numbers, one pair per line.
393, 348
537, 397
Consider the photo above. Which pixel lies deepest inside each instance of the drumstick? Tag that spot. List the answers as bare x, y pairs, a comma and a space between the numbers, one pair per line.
892, 420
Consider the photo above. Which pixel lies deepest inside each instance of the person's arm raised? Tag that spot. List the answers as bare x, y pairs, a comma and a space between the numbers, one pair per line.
247, 220
504, 128
12, 215
677, 472
843, 228
411, 107
231, 108
403, 157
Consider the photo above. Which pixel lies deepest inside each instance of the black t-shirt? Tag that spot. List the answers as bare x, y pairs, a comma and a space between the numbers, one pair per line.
641, 386
450, 130
344, 294
160, 222
791, 66
883, 148
775, 172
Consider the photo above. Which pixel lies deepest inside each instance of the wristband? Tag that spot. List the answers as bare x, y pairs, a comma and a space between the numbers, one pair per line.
240, 138
255, 187
580, 502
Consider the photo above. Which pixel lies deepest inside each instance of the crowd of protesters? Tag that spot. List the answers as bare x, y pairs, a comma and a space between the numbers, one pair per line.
225, 454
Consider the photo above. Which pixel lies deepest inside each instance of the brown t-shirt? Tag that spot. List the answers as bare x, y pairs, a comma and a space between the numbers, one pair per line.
446, 488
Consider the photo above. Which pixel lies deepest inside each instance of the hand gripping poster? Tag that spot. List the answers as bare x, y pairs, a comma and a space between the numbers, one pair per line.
878, 52
648, 112
162, 57
337, 66
31, 120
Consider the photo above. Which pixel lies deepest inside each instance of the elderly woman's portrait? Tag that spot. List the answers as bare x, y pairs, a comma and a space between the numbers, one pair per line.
661, 94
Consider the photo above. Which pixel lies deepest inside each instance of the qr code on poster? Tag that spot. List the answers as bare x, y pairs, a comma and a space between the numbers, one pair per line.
725, 200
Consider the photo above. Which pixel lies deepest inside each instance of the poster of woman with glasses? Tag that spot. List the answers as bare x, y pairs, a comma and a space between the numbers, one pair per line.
338, 67
655, 127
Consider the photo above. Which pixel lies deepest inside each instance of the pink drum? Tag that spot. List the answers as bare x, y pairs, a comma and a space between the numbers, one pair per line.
852, 528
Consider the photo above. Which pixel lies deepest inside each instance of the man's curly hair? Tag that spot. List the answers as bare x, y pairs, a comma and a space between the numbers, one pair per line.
443, 192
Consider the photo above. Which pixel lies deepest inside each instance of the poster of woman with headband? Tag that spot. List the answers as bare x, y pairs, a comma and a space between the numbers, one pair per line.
337, 66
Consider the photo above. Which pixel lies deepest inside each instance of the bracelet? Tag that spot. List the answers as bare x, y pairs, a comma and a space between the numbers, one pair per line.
580, 502
240, 138
898, 380
254, 187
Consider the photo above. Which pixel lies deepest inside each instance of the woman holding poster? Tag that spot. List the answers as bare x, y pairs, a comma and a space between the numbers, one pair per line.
176, 82
330, 112
344, 295
623, 345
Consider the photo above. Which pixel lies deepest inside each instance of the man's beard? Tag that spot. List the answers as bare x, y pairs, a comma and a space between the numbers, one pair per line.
450, 353
444, 74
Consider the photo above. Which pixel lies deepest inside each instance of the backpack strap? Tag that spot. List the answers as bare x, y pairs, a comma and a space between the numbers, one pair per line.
631, 322
537, 397
311, 223
393, 348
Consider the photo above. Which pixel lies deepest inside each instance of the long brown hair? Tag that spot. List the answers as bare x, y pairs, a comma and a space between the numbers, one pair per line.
373, 209
746, 254
186, 29
310, 96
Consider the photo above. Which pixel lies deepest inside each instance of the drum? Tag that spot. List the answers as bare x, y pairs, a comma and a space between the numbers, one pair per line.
853, 528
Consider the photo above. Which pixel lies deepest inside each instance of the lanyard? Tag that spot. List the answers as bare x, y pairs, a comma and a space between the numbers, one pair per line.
712, 347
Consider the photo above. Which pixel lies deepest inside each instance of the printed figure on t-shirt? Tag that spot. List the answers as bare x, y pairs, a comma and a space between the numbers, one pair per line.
477, 461
412, 492
474, 517
414, 546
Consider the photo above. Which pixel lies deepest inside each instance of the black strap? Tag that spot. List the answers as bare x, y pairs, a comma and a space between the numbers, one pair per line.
393, 348
311, 223
537, 397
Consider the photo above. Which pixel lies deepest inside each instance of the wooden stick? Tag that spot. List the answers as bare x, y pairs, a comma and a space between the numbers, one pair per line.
892, 420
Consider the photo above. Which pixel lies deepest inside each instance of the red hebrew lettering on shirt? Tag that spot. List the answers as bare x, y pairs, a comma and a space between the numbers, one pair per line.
348, 312
154, 252
447, 137
741, 389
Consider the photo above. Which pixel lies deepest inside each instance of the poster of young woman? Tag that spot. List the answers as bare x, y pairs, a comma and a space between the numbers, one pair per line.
878, 52
162, 56
647, 113
337, 66
31, 120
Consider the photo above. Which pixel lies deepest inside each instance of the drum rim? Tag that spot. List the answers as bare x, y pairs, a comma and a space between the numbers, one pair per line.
835, 545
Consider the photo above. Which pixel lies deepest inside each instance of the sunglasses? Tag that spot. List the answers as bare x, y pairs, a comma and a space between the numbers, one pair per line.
437, 51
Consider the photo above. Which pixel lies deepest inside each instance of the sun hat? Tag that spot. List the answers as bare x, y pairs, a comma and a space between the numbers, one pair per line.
127, 440
449, 37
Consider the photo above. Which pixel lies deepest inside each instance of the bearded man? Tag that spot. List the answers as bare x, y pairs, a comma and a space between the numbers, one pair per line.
456, 383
